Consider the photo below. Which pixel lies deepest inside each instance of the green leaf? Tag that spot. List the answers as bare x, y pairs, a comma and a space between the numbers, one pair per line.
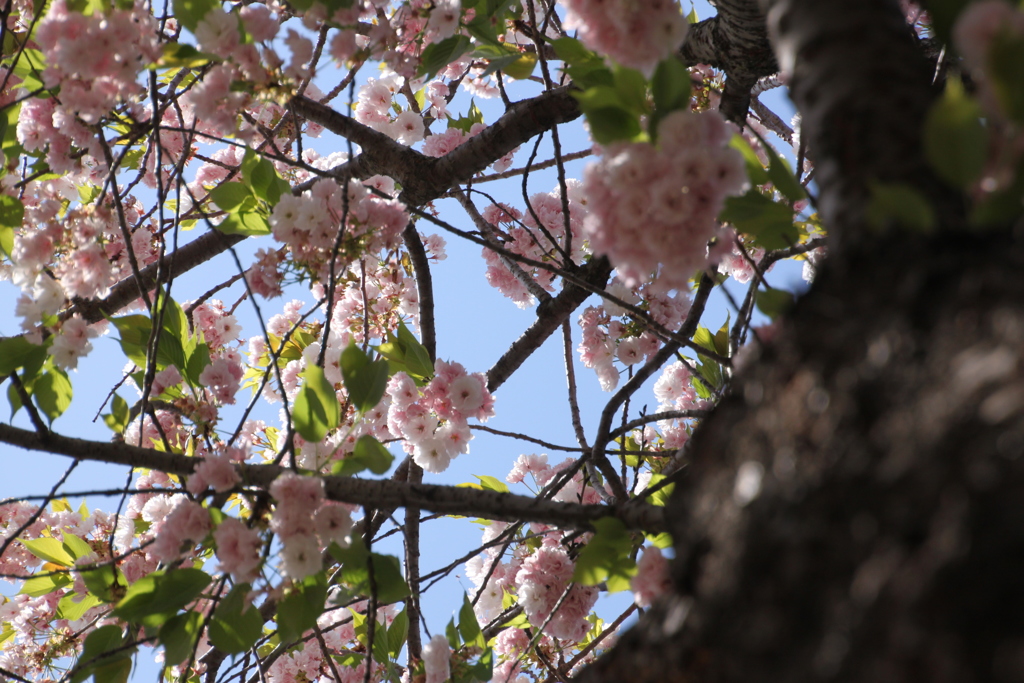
417, 359
196, 363
466, 123
248, 223
369, 453
956, 142
632, 88
660, 497
316, 410
179, 636
52, 392
365, 379
117, 670
118, 417
782, 176
73, 607
236, 625
229, 196
483, 670
97, 644
356, 561
51, 550
105, 582
190, 12
75, 545
670, 89
262, 178
301, 607
19, 352
469, 627
769, 223
437, 56
154, 598
181, 55
491, 483
606, 557
773, 302
397, 633
614, 124
572, 51
44, 585
896, 205
11, 213
755, 171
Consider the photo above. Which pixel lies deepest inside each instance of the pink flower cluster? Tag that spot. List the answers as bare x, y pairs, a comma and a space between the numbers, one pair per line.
217, 471
71, 343
652, 578
217, 325
634, 34
308, 224
436, 655
674, 389
454, 396
609, 335
522, 234
238, 548
95, 60
302, 514
374, 110
541, 581
653, 209
185, 524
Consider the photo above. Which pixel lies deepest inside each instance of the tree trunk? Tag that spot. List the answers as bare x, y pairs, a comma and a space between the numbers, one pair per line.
855, 510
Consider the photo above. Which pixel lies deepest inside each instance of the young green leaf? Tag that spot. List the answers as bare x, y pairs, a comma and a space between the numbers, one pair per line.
606, 557
369, 453
365, 379
49, 549
52, 393
156, 597
97, 644
301, 607
769, 223
11, 213
316, 410
437, 56
236, 625
179, 636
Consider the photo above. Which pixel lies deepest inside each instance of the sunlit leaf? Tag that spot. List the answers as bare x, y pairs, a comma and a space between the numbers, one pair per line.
316, 410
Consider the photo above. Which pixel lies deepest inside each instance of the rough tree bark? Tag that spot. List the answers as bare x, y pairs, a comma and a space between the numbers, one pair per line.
855, 510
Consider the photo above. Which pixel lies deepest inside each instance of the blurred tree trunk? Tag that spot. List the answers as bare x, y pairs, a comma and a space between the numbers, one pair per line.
855, 510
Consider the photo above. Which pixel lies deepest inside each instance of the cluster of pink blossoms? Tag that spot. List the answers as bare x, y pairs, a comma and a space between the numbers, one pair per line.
373, 109
652, 579
521, 233
436, 659
609, 336
308, 224
654, 209
303, 516
96, 61
541, 581
185, 524
634, 34
674, 389
454, 396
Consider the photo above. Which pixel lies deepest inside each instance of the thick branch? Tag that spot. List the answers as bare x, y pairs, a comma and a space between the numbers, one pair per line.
735, 41
452, 500
550, 315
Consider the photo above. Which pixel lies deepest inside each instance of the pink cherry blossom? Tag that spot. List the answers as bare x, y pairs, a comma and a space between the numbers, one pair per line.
238, 548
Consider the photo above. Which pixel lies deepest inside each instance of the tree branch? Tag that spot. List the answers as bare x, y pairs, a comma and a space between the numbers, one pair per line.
377, 493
